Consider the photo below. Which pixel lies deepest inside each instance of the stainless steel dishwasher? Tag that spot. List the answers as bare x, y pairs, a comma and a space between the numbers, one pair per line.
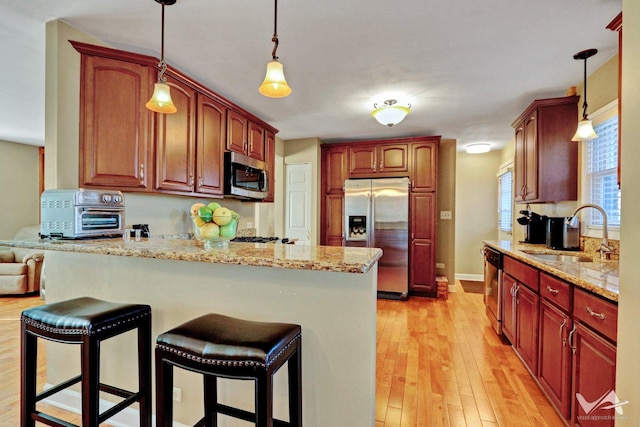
493, 287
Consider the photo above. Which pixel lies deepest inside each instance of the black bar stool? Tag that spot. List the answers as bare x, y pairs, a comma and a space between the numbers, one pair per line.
84, 321
222, 346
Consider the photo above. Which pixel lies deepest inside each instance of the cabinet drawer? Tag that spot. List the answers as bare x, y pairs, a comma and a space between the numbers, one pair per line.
556, 290
522, 272
594, 311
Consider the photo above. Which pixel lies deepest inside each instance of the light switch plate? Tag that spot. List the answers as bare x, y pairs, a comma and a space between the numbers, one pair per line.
445, 214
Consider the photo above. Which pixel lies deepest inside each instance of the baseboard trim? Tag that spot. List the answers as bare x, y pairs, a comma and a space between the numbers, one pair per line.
70, 400
472, 277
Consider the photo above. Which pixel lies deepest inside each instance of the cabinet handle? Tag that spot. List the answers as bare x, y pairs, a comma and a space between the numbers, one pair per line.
381, 164
413, 184
564, 323
200, 182
191, 181
573, 347
373, 166
592, 313
552, 291
141, 173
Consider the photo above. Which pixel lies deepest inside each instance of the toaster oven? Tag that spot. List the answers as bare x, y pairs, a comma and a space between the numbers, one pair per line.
81, 213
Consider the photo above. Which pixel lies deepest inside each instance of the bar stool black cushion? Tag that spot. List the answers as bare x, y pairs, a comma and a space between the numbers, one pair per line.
223, 346
85, 321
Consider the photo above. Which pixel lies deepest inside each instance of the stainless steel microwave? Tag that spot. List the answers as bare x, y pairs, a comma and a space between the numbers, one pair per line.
245, 177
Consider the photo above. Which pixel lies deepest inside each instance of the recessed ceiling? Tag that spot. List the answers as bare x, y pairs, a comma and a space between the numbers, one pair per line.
468, 68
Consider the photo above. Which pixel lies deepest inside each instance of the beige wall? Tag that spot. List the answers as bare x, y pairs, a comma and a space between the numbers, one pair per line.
19, 178
445, 240
628, 369
476, 214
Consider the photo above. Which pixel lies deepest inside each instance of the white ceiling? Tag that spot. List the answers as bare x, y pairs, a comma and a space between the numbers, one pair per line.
468, 67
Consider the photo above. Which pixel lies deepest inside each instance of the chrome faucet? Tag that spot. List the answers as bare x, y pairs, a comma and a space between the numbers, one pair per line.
604, 245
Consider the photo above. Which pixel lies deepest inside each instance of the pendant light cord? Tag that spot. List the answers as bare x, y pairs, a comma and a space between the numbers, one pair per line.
275, 31
162, 64
584, 104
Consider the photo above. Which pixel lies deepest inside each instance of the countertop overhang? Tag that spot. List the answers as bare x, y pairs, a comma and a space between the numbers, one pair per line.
297, 257
599, 277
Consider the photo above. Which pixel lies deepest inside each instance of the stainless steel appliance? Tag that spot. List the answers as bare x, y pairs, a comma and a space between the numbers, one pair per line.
245, 177
562, 235
81, 213
377, 215
493, 287
535, 226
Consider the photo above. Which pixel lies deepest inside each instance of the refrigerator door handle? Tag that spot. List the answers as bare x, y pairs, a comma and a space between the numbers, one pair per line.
371, 234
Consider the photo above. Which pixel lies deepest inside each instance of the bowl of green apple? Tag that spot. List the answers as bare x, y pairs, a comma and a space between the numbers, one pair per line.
214, 224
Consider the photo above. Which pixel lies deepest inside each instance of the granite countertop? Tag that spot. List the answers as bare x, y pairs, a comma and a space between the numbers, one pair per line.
599, 277
180, 247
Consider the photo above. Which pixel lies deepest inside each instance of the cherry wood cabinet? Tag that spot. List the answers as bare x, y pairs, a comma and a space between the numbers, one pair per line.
424, 165
616, 25
245, 136
333, 224
422, 254
378, 160
334, 173
546, 160
270, 160
124, 146
509, 286
115, 137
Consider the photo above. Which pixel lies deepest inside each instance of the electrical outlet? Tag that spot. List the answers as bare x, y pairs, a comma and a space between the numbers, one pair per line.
445, 214
177, 394
439, 264
249, 225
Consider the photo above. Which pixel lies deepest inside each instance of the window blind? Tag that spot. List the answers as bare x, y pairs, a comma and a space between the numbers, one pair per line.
505, 201
602, 172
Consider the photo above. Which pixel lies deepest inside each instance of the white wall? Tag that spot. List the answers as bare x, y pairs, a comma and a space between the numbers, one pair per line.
628, 369
476, 214
19, 179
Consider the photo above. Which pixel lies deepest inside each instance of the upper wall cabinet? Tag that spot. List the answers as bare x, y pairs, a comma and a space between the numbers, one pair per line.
378, 160
124, 146
546, 163
115, 138
424, 165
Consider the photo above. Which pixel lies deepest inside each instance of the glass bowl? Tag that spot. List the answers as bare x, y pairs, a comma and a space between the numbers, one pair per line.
213, 235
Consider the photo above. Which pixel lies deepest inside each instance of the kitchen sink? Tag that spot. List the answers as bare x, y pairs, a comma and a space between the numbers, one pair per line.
562, 258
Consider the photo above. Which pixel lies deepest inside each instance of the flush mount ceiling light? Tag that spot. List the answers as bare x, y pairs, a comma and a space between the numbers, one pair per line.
478, 148
585, 130
274, 84
390, 113
161, 101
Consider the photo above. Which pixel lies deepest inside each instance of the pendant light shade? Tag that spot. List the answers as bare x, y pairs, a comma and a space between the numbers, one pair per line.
478, 148
274, 84
390, 113
161, 101
585, 129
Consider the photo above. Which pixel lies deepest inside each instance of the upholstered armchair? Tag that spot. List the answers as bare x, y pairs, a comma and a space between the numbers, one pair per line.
20, 269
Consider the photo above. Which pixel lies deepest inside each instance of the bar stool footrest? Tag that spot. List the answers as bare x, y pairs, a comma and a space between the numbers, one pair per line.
50, 420
57, 388
240, 414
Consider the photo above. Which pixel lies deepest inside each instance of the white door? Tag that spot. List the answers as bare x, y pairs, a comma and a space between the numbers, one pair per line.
298, 202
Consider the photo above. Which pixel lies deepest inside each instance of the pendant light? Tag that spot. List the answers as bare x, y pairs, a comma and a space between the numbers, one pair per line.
161, 101
390, 113
585, 130
274, 84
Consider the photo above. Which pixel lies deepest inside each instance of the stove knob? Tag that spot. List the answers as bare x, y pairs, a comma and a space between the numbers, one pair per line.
117, 199
106, 198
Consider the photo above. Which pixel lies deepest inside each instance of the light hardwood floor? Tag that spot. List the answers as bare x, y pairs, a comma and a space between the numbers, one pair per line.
439, 363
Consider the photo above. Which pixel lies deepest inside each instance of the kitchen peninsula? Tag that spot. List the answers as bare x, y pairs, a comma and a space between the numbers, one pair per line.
330, 291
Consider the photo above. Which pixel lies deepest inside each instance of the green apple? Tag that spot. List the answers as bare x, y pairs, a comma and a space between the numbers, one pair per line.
205, 213
222, 216
210, 231
194, 208
213, 206
229, 230
235, 215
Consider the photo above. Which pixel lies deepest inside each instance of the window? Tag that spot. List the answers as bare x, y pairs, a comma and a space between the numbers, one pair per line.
601, 171
505, 200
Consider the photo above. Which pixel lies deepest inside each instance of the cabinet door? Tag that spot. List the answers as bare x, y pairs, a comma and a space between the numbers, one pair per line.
422, 222
509, 287
520, 164
594, 376
115, 139
422, 277
531, 158
270, 159
175, 141
211, 134
334, 210
554, 369
255, 147
362, 161
335, 169
527, 308
236, 132
424, 157
393, 160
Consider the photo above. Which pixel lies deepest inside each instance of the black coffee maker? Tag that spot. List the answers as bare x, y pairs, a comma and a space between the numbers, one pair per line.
535, 226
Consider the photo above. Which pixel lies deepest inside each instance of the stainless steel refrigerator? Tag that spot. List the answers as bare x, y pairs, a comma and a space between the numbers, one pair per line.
377, 216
